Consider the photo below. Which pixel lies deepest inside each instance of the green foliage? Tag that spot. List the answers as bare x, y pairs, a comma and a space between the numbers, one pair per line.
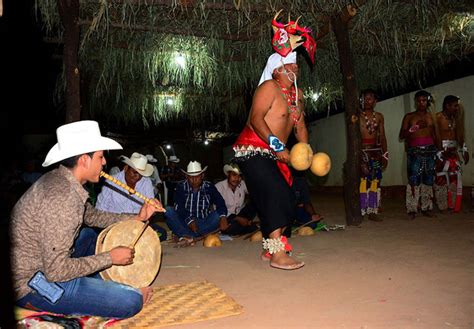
129, 48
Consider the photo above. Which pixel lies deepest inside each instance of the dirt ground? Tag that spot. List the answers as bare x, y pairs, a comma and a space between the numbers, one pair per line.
391, 274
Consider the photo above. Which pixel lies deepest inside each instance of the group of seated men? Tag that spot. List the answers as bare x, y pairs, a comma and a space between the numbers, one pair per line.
198, 207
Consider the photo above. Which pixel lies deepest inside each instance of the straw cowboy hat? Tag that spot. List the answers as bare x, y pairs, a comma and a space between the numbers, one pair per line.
173, 158
78, 138
139, 162
232, 167
194, 169
151, 158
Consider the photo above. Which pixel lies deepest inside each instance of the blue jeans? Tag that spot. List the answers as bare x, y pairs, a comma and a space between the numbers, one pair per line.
180, 228
421, 162
302, 217
89, 295
159, 230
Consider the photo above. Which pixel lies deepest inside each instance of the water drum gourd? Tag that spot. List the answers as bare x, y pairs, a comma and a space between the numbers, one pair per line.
305, 230
301, 156
256, 237
212, 240
321, 164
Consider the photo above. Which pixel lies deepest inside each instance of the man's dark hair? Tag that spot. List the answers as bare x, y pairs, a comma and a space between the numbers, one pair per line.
422, 93
72, 161
369, 91
450, 99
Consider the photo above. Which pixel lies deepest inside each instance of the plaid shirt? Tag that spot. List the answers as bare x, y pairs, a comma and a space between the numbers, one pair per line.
198, 204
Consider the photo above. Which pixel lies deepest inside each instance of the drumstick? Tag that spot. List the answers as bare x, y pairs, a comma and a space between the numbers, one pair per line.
131, 190
311, 221
140, 233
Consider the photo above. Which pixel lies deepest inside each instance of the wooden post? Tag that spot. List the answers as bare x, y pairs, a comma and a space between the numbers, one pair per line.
351, 167
69, 13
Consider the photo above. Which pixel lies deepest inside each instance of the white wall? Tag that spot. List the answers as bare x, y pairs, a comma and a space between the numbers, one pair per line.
329, 135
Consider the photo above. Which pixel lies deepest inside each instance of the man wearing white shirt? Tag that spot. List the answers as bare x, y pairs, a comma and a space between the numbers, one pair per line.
136, 174
233, 190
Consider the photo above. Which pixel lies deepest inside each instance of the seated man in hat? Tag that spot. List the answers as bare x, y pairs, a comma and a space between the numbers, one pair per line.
193, 214
171, 174
240, 215
136, 174
52, 257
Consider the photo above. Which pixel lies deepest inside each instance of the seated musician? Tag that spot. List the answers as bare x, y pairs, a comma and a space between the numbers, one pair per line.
374, 155
193, 214
48, 236
305, 214
136, 175
240, 214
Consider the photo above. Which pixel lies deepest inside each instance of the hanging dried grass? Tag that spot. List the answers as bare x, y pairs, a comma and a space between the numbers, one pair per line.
128, 50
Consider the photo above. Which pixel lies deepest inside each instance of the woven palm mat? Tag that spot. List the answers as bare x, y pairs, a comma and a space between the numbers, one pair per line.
182, 303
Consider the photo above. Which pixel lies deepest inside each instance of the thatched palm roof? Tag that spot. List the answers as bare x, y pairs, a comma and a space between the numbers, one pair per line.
128, 50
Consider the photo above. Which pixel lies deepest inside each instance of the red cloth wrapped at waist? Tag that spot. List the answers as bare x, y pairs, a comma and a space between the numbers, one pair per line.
421, 141
248, 137
368, 141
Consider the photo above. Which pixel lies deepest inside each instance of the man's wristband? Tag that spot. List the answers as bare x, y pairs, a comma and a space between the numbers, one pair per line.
275, 144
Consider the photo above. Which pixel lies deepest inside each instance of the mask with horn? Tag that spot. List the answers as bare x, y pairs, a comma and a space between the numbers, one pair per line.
287, 37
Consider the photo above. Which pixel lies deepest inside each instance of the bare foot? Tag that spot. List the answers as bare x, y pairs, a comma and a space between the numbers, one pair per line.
282, 261
265, 255
147, 292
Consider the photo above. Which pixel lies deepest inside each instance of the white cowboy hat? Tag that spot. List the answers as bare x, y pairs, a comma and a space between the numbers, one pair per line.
233, 168
139, 162
194, 169
151, 158
173, 158
77, 138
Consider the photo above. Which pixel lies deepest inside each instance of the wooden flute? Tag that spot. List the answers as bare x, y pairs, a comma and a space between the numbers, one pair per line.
131, 190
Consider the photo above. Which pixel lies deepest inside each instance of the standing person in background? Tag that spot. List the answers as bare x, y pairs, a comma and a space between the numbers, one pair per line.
171, 174
448, 183
374, 155
419, 132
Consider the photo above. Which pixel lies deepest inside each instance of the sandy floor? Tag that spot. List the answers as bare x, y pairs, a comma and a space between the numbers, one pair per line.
392, 274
